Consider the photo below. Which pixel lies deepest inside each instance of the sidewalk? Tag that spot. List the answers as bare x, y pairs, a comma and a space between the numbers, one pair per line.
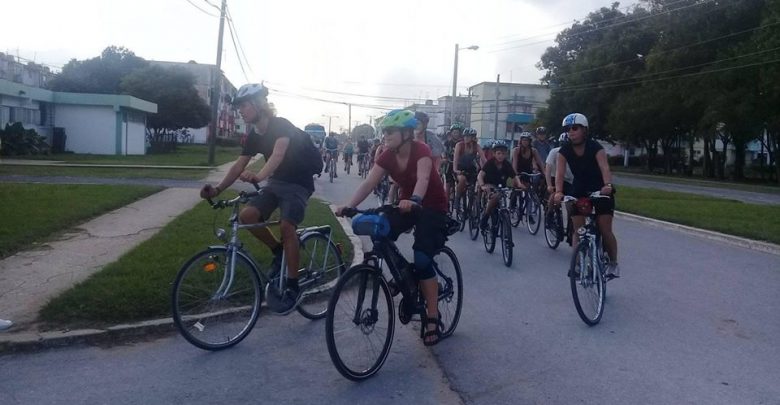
30, 278
59, 163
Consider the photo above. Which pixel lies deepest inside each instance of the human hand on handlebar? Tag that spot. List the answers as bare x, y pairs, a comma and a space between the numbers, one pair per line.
208, 191
406, 206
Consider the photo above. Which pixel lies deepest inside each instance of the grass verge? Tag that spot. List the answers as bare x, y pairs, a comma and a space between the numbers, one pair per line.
759, 222
766, 187
138, 286
32, 212
118, 172
185, 155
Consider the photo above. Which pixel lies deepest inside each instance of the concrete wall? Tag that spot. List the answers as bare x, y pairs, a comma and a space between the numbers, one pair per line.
133, 133
89, 129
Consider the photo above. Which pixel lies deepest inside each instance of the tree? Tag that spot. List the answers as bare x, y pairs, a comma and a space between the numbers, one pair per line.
364, 130
178, 103
102, 74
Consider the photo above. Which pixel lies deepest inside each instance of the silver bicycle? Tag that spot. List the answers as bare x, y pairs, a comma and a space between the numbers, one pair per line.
217, 293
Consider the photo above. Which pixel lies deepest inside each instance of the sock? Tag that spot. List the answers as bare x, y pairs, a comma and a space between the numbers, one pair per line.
278, 250
292, 283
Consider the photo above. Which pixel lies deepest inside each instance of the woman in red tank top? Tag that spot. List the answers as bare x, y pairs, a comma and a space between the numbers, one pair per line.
409, 163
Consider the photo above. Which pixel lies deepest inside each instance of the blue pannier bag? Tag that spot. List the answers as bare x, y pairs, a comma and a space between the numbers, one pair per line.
374, 225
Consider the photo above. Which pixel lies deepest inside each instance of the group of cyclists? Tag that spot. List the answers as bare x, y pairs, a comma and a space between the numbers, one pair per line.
424, 168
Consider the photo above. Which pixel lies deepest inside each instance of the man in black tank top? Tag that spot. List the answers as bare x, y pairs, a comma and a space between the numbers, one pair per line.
588, 162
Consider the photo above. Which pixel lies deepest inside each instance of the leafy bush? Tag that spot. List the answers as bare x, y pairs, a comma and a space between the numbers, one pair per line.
17, 141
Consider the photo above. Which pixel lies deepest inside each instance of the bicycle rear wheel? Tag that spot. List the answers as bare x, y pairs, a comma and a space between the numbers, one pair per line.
516, 213
359, 325
507, 246
533, 212
331, 169
321, 265
588, 287
213, 309
489, 235
462, 212
474, 217
552, 228
450, 289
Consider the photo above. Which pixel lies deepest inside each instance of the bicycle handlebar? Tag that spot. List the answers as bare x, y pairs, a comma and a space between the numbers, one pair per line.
351, 212
241, 195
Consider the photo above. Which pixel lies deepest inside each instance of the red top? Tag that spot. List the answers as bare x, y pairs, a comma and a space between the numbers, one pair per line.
434, 197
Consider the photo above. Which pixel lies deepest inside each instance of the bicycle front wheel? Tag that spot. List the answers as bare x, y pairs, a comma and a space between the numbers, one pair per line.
489, 235
516, 212
507, 246
474, 219
213, 307
552, 228
588, 287
533, 212
450, 289
320, 267
359, 325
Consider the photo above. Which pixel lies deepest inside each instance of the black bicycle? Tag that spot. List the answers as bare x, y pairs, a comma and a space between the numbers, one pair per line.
587, 272
528, 204
360, 323
554, 229
500, 227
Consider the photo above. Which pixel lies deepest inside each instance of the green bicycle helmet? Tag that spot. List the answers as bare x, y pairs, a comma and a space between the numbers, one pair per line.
457, 126
399, 119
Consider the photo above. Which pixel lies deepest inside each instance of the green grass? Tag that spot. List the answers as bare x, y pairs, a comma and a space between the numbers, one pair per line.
32, 213
185, 155
137, 286
760, 222
129, 173
765, 187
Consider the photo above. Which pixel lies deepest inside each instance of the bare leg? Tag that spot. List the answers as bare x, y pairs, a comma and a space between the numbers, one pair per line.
610, 242
430, 290
291, 248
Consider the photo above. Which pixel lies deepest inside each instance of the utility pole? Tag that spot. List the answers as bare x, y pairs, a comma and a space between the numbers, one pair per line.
216, 89
454, 86
495, 130
349, 122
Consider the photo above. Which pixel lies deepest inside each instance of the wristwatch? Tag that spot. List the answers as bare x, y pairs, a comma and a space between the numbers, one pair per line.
417, 199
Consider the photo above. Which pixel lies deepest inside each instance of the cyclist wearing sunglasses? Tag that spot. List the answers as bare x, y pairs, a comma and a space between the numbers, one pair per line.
410, 165
588, 162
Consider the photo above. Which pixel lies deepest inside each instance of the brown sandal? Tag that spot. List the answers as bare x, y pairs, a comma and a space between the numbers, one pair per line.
437, 332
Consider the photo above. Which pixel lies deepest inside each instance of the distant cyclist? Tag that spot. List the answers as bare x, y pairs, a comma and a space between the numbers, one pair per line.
364, 148
348, 151
422, 134
541, 143
496, 172
468, 158
331, 146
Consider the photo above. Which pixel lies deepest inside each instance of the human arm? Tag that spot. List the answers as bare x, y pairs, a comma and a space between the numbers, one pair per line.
277, 156
424, 166
230, 177
606, 174
548, 172
560, 168
456, 157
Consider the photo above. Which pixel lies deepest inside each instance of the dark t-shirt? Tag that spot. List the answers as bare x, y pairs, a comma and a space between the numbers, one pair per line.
331, 143
434, 197
585, 168
363, 146
290, 170
496, 176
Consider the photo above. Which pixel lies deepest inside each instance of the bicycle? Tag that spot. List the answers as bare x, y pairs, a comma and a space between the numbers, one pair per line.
588, 264
382, 190
362, 305
475, 213
500, 226
554, 230
529, 209
332, 162
363, 167
464, 207
217, 293
347, 162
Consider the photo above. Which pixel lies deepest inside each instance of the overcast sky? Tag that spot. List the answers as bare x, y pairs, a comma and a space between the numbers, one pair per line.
401, 48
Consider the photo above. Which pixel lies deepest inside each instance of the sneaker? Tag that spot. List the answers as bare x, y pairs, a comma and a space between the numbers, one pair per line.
286, 302
483, 223
613, 270
5, 324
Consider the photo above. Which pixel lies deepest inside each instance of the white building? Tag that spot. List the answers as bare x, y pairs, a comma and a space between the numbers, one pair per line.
104, 124
517, 106
229, 122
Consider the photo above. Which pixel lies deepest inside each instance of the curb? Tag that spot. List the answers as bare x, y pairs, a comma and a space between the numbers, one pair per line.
25, 342
764, 247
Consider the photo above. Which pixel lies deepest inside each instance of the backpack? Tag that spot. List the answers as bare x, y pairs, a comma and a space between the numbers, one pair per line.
311, 159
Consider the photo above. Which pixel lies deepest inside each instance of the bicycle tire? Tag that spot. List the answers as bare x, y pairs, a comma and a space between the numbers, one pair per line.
552, 229
331, 169
533, 211
515, 213
203, 325
474, 218
316, 276
450, 289
489, 236
507, 245
462, 212
580, 261
346, 314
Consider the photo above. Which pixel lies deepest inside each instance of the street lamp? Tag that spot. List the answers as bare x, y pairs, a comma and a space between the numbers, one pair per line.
455, 80
329, 119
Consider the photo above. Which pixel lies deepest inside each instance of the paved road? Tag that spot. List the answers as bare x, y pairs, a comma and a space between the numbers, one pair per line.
733, 194
691, 321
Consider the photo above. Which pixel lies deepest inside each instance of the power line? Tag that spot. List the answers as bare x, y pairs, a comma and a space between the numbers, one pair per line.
670, 50
607, 26
303, 96
201, 10
238, 39
238, 55
640, 77
598, 86
213, 5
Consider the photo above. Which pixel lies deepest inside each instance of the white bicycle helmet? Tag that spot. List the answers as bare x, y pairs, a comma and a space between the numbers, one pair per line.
575, 119
250, 91
526, 135
563, 138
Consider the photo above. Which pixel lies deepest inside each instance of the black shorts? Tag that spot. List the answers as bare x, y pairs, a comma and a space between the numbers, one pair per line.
568, 188
290, 198
603, 206
430, 229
